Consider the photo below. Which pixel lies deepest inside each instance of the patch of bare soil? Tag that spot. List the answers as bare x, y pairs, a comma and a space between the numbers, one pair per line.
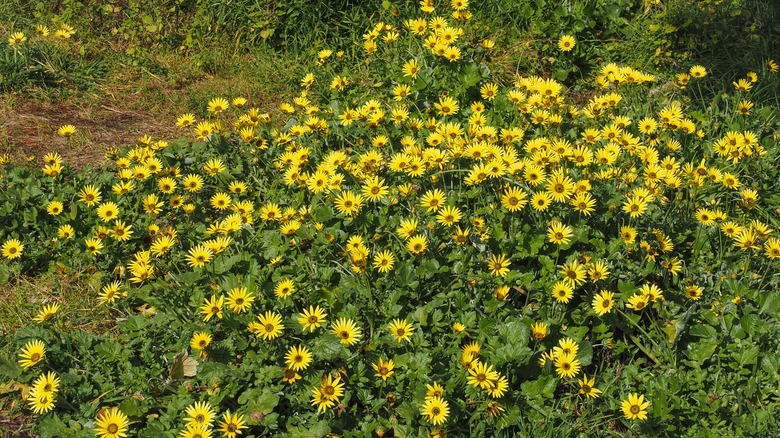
29, 128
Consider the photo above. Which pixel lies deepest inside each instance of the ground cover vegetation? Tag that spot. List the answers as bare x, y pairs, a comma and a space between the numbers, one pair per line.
457, 220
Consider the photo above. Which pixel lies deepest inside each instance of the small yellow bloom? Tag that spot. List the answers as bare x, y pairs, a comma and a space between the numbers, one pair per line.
566, 43
66, 130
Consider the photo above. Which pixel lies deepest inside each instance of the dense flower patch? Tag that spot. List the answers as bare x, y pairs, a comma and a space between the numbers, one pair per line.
419, 248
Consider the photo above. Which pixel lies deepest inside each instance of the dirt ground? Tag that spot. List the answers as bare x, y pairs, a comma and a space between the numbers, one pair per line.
29, 128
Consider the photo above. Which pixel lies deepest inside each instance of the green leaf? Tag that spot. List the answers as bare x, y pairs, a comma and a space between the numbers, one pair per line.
585, 353
673, 330
326, 347
543, 387
769, 302
702, 350
748, 355
322, 214
406, 275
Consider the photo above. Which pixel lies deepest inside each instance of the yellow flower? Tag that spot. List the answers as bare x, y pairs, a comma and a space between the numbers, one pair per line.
559, 233
32, 353
635, 407
239, 300
47, 313
54, 208
411, 68
744, 107
698, 71
217, 105
41, 401
628, 234
514, 199
198, 256
375, 189
481, 375
449, 215
16, 39
307, 80
231, 424
566, 365
200, 340
212, 307
109, 293
89, 195
417, 244
566, 43
328, 393
185, 120
562, 291
93, 246
66, 130
652, 292
446, 106
603, 302
108, 211
349, 203
384, 369
498, 265
312, 318
436, 410
587, 387
539, 331
635, 206
284, 288
433, 200
743, 85
573, 273
298, 357
290, 376
199, 414
269, 325
489, 91
693, 291
638, 302
540, 201
111, 423
346, 330
384, 261
401, 330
